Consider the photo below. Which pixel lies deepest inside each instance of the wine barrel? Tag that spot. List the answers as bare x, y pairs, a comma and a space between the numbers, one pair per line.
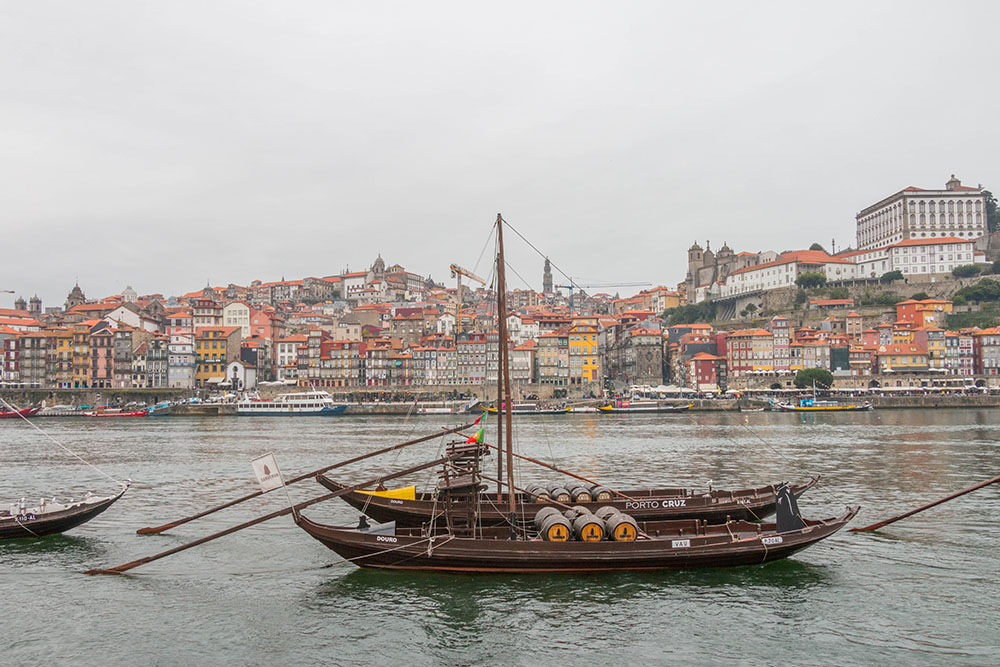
606, 511
601, 494
538, 493
575, 511
545, 512
581, 494
622, 528
588, 528
560, 494
551, 525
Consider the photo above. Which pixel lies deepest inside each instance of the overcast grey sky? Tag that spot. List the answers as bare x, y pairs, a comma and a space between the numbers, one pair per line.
161, 144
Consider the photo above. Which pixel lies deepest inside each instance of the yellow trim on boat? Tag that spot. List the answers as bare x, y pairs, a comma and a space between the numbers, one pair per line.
405, 493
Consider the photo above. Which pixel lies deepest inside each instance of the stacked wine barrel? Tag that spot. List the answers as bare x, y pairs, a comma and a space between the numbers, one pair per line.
572, 493
581, 524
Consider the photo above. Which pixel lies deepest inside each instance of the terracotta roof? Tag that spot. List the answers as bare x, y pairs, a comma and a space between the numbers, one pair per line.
19, 322
831, 302
803, 256
200, 331
939, 240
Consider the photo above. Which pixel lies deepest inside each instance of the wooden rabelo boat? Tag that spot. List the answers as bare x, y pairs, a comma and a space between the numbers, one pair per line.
666, 545
605, 540
17, 414
715, 506
51, 517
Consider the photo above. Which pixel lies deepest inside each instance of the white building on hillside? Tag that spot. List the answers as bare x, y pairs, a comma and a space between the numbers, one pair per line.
957, 211
237, 314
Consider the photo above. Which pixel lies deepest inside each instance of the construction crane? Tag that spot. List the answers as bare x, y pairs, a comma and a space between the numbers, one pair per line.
574, 285
457, 272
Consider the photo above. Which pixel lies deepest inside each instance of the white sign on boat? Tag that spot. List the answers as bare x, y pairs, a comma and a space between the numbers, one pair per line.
266, 469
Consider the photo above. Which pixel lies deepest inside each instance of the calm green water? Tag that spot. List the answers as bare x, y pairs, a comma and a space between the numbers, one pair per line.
923, 591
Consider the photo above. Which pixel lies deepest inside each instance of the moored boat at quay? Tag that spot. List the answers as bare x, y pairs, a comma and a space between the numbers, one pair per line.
643, 407
315, 403
812, 404
17, 414
117, 413
528, 409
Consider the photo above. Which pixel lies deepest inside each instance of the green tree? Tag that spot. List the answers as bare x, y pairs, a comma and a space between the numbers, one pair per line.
965, 271
920, 296
816, 246
992, 214
806, 376
985, 290
838, 293
887, 299
890, 276
810, 280
690, 314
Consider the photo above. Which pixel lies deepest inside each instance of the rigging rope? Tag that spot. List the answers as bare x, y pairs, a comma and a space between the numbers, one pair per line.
540, 253
59, 444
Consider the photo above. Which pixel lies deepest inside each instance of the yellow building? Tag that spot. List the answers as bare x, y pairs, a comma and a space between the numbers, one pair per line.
584, 365
934, 340
906, 358
80, 355
902, 333
61, 364
214, 347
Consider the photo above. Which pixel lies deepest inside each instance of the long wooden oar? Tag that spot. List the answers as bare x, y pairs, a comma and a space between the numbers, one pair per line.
119, 569
564, 472
880, 524
309, 475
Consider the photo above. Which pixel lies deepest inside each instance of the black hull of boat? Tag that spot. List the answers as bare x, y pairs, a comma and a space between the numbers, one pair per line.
727, 546
11, 529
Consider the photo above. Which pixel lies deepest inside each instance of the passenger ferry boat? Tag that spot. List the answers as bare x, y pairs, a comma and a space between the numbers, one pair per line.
307, 403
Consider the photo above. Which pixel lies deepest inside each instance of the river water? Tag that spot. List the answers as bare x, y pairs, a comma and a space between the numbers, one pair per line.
921, 591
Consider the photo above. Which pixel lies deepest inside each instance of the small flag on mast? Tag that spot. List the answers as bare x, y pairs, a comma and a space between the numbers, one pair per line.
266, 469
478, 437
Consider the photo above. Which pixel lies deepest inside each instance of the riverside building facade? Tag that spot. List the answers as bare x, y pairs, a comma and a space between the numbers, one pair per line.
957, 211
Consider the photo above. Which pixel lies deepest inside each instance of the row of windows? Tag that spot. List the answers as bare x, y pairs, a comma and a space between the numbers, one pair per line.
952, 206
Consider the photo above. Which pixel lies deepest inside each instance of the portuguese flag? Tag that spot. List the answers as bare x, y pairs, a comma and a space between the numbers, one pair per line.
478, 437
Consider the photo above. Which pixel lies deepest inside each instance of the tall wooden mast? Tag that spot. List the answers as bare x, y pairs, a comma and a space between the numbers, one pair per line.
503, 368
